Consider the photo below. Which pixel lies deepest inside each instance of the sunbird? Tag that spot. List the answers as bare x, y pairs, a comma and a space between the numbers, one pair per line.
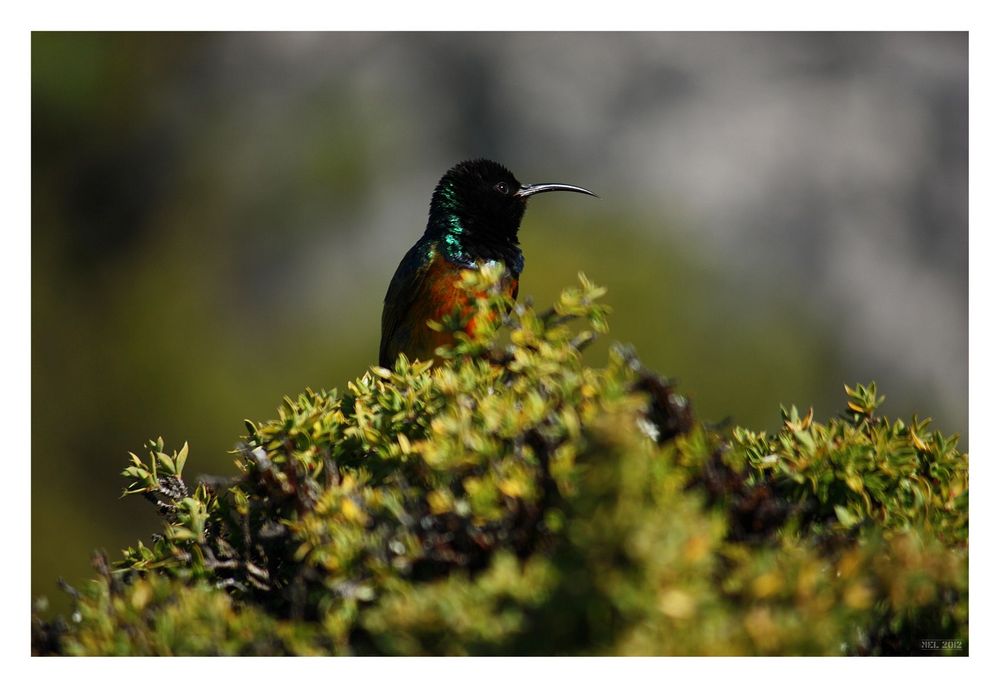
475, 213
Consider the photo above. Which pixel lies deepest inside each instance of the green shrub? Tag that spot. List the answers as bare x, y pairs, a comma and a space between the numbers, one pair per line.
512, 500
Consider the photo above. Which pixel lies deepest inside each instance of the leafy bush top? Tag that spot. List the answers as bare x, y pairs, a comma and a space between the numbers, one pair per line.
513, 500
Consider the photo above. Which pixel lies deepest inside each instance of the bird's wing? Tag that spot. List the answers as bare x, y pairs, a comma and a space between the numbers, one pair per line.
404, 291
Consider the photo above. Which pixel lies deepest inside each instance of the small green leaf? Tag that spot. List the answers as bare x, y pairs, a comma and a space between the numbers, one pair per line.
182, 458
167, 462
845, 516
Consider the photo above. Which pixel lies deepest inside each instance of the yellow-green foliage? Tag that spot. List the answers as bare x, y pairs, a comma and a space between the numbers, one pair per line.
511, 500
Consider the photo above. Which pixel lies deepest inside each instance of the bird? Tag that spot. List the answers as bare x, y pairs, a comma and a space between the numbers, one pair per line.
475, 214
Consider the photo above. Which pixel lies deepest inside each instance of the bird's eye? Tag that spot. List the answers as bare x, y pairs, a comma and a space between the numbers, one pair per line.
502, 187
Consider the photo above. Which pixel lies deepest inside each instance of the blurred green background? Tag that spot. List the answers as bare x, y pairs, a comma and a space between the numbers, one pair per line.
215, 218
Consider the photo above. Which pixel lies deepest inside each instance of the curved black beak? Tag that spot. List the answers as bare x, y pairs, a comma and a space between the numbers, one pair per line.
532, 189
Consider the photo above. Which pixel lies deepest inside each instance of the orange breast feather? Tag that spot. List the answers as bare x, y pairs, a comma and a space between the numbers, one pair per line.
441, 296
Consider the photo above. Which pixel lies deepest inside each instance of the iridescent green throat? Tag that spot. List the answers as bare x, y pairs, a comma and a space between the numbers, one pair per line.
446, 224
466, 235
453, 248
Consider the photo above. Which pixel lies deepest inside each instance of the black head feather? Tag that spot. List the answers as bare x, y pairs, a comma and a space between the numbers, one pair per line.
476, 200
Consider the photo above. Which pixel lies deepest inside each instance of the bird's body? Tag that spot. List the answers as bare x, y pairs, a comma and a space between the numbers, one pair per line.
475, 214
423, 289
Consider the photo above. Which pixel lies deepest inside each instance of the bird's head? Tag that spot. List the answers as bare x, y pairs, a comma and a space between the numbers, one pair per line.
484, 201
